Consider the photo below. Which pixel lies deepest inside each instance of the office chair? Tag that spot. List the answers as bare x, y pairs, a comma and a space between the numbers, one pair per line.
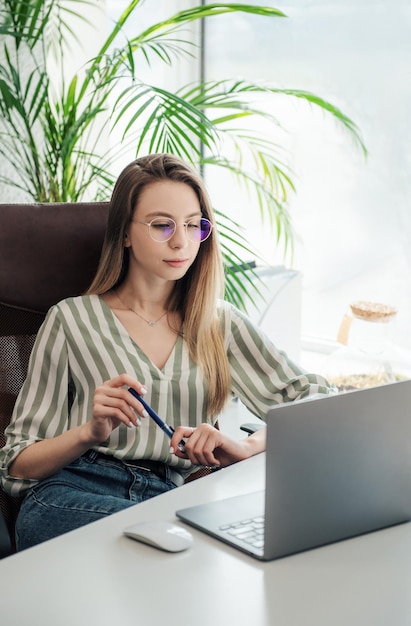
48, 252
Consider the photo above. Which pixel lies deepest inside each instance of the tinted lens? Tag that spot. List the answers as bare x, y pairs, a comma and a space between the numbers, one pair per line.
162, 229
199, 230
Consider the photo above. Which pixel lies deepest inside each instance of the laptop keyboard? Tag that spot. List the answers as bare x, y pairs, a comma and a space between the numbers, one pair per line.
250, 530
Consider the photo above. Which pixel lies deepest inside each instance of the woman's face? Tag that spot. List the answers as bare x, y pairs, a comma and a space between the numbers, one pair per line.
167, 260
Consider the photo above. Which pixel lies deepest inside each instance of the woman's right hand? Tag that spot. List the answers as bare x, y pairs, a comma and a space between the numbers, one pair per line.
113, 405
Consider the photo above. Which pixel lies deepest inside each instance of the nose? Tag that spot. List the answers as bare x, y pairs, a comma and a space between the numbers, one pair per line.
179, 239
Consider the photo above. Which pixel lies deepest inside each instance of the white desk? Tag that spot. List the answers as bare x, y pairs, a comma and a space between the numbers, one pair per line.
95, 576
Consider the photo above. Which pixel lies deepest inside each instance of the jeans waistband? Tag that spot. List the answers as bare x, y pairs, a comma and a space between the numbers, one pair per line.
162, 470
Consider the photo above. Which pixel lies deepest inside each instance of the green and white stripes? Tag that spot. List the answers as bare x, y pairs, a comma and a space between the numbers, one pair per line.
82, 344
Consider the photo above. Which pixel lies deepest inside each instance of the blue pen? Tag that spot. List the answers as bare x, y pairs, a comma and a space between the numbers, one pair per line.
168, 430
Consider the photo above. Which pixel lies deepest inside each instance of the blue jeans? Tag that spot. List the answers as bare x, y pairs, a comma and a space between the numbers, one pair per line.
88, 489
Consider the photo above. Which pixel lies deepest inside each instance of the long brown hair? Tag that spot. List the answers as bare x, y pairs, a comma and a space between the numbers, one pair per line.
195, 295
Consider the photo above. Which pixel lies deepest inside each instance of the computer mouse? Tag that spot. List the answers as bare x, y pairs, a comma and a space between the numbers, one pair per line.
160, 534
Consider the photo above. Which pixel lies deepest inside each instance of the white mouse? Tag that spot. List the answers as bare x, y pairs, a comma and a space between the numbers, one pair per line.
160, 534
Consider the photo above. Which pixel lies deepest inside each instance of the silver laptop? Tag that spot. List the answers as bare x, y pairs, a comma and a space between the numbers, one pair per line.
336, 467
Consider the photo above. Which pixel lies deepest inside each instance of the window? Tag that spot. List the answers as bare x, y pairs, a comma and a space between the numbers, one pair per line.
351, 214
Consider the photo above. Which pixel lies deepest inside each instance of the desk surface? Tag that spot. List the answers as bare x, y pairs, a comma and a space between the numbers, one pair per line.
95, 575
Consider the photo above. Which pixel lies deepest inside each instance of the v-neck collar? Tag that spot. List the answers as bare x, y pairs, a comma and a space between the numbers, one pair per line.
168, 365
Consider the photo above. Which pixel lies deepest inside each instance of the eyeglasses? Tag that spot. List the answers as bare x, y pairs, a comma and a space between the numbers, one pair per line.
163, 228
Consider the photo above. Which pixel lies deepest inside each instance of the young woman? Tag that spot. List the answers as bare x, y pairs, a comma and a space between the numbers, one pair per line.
80, 446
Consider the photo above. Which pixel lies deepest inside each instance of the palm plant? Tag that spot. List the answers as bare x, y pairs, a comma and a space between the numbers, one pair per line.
49, 134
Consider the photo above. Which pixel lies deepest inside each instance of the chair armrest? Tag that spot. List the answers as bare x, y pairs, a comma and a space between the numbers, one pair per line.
5, 543
251, 428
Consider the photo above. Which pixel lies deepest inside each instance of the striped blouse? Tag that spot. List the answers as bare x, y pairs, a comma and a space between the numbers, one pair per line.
82, 343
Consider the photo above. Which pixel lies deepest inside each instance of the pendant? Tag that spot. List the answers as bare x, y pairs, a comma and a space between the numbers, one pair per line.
151, 323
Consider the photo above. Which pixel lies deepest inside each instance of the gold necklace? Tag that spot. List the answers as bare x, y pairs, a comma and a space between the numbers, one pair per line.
149, 322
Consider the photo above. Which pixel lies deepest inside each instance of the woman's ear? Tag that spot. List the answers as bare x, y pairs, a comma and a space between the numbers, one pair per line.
127, 242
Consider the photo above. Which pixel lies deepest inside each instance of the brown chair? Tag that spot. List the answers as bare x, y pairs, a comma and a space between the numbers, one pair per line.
47, 252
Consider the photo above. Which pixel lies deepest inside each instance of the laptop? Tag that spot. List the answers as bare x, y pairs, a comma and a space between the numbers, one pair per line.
336, 467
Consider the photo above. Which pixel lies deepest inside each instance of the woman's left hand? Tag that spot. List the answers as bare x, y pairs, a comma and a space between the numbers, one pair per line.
206, 445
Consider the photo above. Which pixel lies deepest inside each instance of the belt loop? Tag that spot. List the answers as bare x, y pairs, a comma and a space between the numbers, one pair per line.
175, 477
91, 455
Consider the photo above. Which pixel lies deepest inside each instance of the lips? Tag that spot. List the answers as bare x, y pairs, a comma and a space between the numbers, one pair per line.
177, 263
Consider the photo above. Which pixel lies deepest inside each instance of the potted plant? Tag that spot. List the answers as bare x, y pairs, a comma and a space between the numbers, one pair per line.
46, 124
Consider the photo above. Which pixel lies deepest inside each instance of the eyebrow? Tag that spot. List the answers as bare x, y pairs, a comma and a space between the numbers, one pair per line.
154, 214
